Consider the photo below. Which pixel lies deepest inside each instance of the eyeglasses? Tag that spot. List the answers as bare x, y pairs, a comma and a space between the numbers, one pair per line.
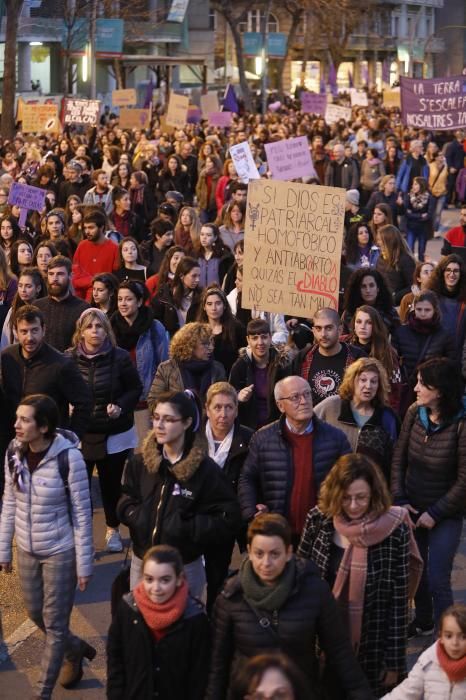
169, 420
360, 498
452, 271
296, 398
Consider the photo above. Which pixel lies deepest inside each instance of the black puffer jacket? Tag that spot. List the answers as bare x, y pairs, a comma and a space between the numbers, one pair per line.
190, 505
164, 308
429, 468
111, 378
267, 475
409, 345
175, 667
242, 375
310, 612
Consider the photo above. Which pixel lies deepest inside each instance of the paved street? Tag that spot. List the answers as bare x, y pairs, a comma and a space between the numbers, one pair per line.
91, 616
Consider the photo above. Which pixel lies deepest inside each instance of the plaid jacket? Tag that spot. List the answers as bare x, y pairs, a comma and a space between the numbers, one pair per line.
385, 619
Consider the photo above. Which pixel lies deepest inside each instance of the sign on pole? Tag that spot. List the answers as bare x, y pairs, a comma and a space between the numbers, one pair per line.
437, 103
81, 111
244, 162
293, 239
26, 197
290, 159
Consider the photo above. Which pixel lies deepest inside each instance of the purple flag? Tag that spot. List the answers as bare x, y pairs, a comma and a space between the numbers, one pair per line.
230, 103
350, 79
148, 95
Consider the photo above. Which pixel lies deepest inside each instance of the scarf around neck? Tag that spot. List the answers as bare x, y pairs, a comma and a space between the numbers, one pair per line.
454, 668
268, 598
352, 573
422, 327
418, 201
196, 375
220, 456
160, 616
127, 336
103, 350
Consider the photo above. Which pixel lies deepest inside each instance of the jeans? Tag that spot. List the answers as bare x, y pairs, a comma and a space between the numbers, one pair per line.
439, 207
438, 547
419, 235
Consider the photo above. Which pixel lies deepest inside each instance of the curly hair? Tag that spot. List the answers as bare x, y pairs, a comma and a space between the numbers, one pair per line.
437, 278
355, 369
187, 338
351, 243
347, 469
353, 297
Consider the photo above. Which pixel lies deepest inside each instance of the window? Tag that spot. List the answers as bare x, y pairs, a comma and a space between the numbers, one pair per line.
212, 20
253, 22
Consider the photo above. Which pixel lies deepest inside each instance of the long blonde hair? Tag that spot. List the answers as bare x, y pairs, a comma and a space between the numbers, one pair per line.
84, 321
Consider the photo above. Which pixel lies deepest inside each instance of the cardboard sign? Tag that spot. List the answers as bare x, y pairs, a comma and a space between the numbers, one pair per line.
437, 103
37, 118
292, 247
222, 119
334, 113
244, 162
177, 111
132, 118
312, 103
359, 98
26, 197
391, 98
209, 103
81, 111
124, 98
166, 128
290, 159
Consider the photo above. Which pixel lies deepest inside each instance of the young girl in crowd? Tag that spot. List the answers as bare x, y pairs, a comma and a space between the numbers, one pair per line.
20, 256
158, 642
213, 256
359, 247
104, 292
440, 671
395, 262
166, 271
30, 288
421, 275
131, 267
419, 210
232, 228
177, 301
228, 283
9, 234
43, 254
187, 229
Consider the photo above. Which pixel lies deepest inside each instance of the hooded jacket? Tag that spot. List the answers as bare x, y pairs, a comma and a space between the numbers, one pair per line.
189, 505
43, 518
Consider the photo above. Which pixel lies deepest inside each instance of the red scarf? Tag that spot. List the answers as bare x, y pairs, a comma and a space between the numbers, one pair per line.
352, 573
454, 668
160, 616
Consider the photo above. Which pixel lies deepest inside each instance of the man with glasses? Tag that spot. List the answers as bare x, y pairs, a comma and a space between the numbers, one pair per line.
289, 458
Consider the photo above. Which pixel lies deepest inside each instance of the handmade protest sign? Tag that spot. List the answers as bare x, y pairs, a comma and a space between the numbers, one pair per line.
391, 98
334, 113
220, 119
177, 110
81, 111
312, 103
293, 238
124, 98
290, 159
209, 103
132, 118
437, 103
244, 162
26, 197
359, 98
37, 118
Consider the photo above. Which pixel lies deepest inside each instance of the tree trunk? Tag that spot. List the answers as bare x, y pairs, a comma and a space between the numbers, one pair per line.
13, 11
295, 22
119, 74
240, 61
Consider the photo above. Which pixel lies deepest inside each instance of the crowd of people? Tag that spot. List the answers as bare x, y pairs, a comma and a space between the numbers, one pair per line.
326, 456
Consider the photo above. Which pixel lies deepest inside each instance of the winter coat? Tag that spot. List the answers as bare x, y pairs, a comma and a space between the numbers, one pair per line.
204, 199
168, 378
112, 378
175, 666
267, 475
403, 175
238, 452
104, 200
164, 308
380, 198
189, 505
429, 467
419, 220
375, 439
310, 612
178, 183
428, 681
399, 279
47, 372
349, 174
385, 612
242, 375
409, 346
43, 518
372, 171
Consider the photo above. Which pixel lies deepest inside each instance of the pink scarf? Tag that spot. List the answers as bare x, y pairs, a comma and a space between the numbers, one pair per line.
352, 573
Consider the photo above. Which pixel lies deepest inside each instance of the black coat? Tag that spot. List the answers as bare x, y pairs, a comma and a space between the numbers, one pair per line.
47, 372
163, 306
112, 378
409, 345
238, 453
175, 667
310, 612
190, 506
242, 375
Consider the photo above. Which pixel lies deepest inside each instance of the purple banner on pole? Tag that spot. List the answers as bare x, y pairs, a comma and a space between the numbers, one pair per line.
437, 103
313, 103
26, 197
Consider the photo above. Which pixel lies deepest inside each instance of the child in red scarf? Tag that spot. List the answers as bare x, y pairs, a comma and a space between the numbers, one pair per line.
158, 642
440, 671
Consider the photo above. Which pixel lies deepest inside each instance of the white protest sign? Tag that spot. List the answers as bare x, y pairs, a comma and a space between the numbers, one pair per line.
359, 98
334, 113
244, 162
290, 159
292, 254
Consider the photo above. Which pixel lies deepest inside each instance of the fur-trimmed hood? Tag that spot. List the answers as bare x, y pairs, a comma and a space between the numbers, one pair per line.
182, 470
